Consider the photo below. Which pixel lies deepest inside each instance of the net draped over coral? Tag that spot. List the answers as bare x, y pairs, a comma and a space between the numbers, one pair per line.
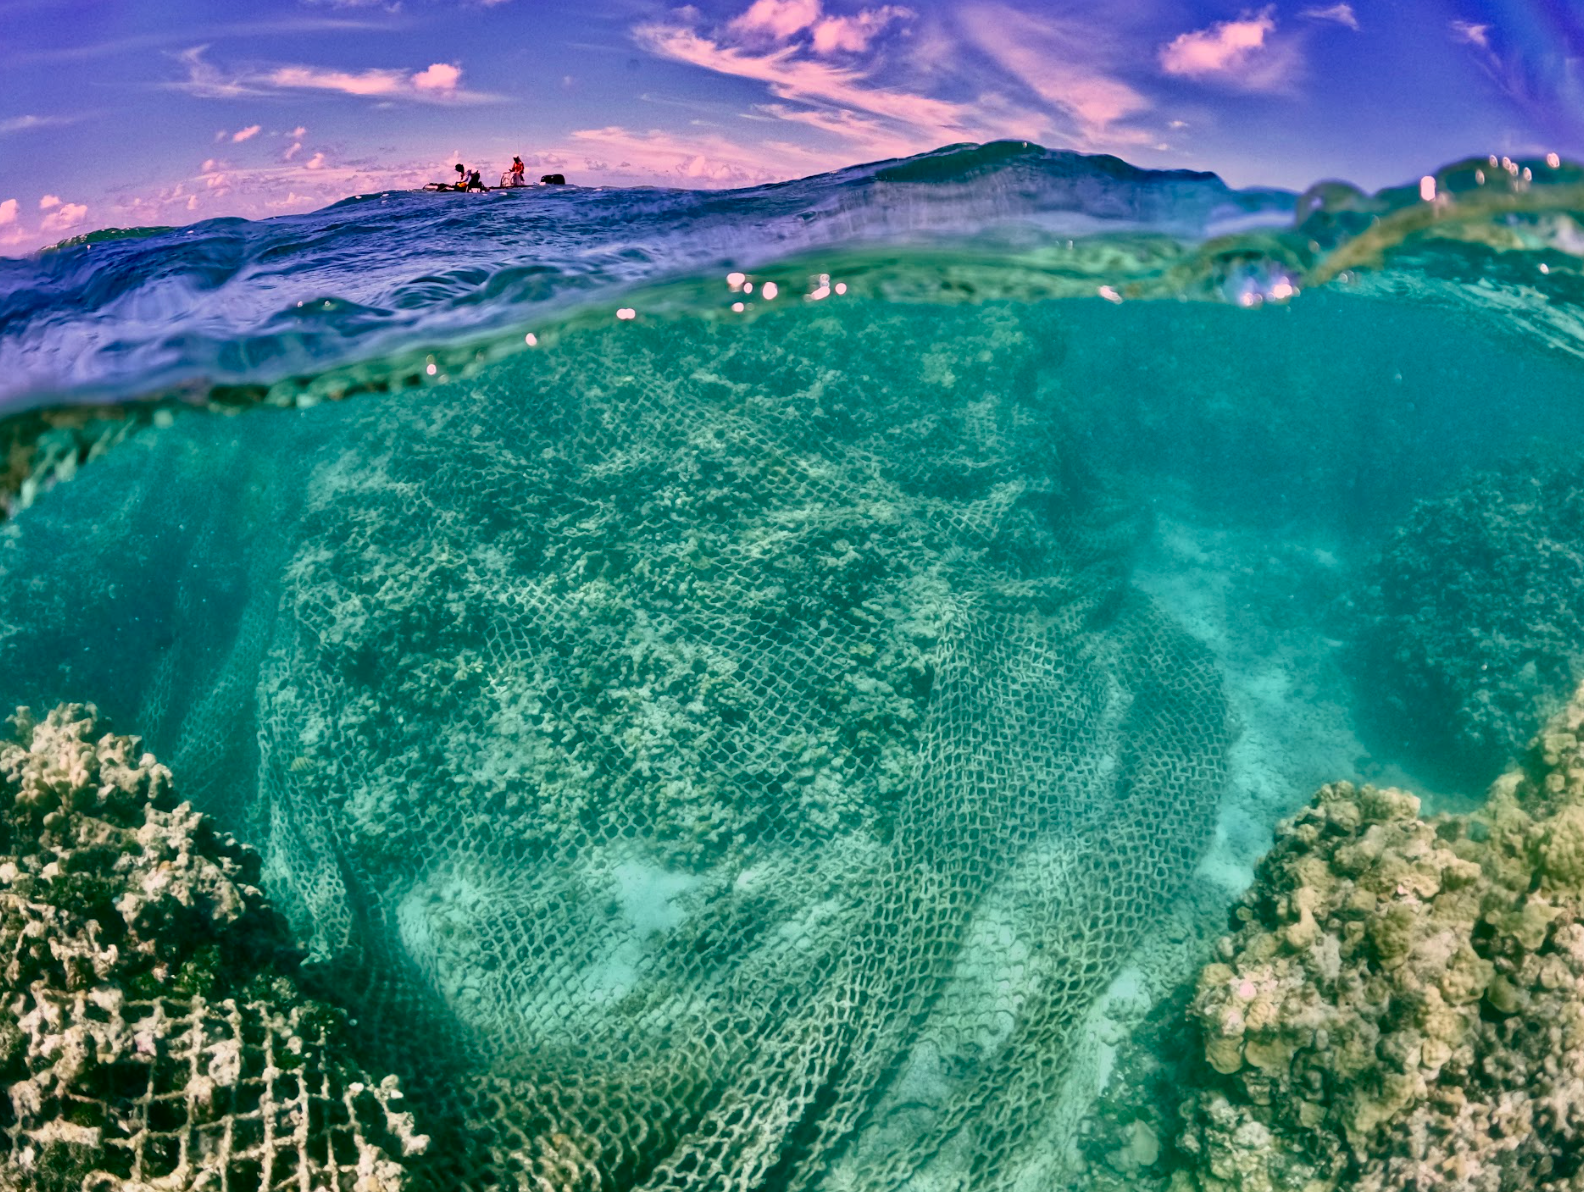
731, 758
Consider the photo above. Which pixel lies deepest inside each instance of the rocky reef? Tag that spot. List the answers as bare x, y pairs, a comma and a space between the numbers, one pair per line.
1401, 1007
1470, 621
152, 1033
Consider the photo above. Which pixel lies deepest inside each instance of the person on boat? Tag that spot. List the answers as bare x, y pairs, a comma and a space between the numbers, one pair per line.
474, 182
462, 176
517, 169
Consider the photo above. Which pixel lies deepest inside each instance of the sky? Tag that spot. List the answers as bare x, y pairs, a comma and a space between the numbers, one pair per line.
119, 113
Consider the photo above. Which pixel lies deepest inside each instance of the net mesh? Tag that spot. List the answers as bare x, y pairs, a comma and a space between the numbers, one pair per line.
706, 757
151, 1035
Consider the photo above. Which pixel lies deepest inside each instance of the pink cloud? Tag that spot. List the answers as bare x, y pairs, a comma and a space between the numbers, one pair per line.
64, 218
790, 77
49, 201
776, 19
1063, 63
440, 82
441, 77
853, 127
8, 212
1224, 46
852, 35
368, 82
245, 134
292, 151
776, 22
1244, 54
316, 162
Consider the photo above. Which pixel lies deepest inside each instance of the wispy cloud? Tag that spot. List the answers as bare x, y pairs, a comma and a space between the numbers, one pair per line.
440, 82
1341, 14
692, 159
246, 134
141, 42
1244, 54
884, 82
830, 74
848, 125
1061, 61
1474, 35
24, 123
793, 77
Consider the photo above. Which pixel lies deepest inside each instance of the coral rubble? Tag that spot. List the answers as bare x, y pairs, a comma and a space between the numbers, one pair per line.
151, 1032
1402, 1007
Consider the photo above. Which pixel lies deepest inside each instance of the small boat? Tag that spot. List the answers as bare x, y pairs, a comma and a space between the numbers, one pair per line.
453, 188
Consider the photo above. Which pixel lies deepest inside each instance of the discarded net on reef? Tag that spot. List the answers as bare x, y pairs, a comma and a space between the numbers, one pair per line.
151, 1032
732, 758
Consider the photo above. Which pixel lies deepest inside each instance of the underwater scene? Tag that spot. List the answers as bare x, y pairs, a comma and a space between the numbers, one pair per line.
995, 670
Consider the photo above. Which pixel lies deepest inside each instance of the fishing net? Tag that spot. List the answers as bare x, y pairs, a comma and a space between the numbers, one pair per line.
151, 1034
704, 757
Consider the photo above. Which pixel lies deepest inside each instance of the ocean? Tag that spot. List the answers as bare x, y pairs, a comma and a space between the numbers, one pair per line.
774, 688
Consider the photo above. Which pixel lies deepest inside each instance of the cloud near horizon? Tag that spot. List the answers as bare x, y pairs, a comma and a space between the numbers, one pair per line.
63, 218
693, 159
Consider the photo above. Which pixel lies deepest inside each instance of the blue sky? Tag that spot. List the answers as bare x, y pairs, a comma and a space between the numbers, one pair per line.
126, 112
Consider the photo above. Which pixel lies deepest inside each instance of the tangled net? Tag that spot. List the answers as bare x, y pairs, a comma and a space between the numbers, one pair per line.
723, 759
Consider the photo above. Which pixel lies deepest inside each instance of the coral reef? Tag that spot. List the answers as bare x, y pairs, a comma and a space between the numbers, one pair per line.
151, 1032
1470, 626
1402, 1007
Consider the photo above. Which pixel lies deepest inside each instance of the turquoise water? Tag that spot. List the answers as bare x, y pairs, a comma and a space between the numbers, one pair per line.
766, 747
